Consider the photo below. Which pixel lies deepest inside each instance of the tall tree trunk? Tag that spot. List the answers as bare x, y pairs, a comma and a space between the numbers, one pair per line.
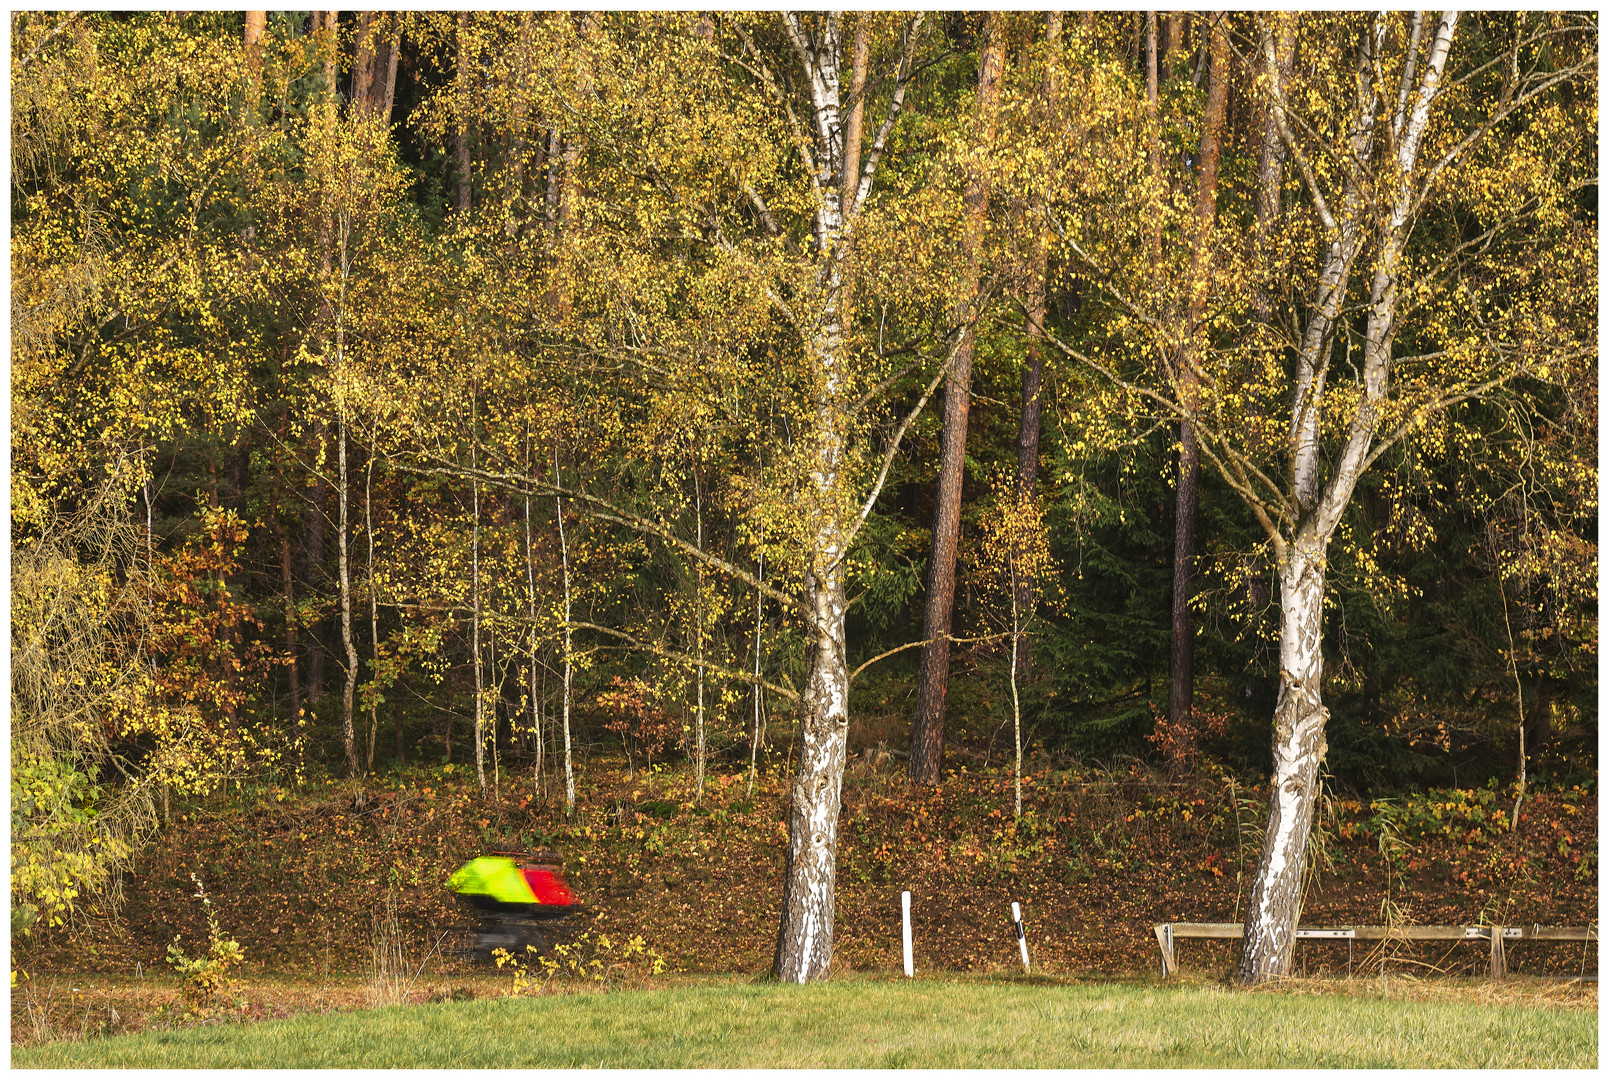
392, 52
1032, 373
461, 133
531, 677
1187, 498
363, 42
314, 522
374, 614
348, 732
754, 742
564, 563
804, 940
805, 929
933, 674
1300, 716
256, 27
329, 24
1154, 141
480, 686
288, 584
1271, 153
1275, 905
698, 643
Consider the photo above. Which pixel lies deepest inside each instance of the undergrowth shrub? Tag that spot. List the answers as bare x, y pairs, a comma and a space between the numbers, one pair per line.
209, 975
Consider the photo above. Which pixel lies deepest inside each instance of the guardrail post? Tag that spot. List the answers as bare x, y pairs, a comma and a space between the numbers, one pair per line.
1164, 940
1499, 961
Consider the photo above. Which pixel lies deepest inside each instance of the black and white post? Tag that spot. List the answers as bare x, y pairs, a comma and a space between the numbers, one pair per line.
1022, 937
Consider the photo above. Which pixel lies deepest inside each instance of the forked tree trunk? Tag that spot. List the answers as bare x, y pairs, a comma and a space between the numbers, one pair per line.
1300, 716
805, 930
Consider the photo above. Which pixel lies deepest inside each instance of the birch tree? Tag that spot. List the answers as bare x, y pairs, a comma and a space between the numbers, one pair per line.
729, 317
1450, 255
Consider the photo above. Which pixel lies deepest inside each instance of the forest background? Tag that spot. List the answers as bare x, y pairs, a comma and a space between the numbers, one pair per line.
752, 391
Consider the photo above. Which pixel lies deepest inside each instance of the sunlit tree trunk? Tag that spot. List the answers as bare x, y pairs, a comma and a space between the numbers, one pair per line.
754, 742
805, 930
1299, 715
698, 643
564, 563
531, 678
348, 730
480, 684
374, 614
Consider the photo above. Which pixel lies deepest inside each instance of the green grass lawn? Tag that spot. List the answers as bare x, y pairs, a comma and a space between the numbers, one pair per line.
868, 1023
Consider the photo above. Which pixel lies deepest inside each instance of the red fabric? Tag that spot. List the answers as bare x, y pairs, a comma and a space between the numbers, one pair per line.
547, 886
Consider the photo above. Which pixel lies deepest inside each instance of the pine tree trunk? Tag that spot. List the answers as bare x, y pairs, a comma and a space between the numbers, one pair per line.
462, 186
1187, 498
933, 674
363, 62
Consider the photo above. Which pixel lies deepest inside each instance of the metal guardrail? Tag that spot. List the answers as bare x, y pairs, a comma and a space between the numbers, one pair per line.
1499, 936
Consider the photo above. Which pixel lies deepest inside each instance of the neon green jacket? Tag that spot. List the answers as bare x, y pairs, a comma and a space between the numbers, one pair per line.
495, 876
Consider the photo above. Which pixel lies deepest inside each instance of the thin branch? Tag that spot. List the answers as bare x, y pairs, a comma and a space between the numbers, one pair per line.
72, 16
903, 75
893, 443
929, 641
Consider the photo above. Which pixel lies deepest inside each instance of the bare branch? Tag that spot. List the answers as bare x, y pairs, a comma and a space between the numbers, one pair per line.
893, 443
929, 641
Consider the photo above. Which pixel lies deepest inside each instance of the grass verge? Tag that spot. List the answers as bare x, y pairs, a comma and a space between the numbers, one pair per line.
866, 1023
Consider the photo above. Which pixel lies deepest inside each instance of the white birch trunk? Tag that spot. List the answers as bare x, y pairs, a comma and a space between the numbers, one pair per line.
1299, 747
564, 563
1299, 714
805, 933
348, 733
530, 670
754, 742
374, 612
698, 648
474, 563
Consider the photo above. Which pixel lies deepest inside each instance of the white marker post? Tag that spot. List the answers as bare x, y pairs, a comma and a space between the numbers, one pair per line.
1022, 938
905, 902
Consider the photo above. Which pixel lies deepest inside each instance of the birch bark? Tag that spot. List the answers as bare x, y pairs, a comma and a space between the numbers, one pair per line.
1299, 714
